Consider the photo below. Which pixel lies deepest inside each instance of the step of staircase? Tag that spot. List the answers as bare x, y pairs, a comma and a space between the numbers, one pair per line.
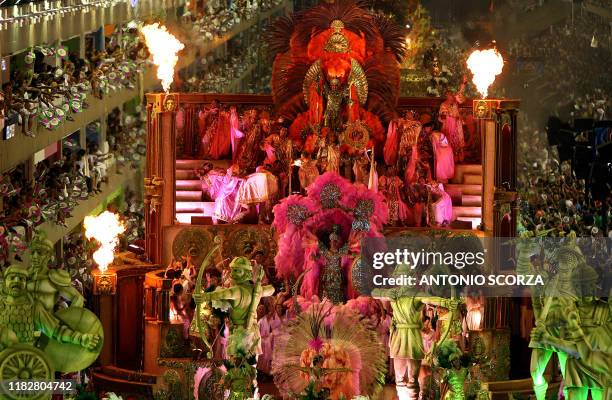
186, 174
188, 195
200, 207
185, 218
475, 169
474, 220
194, 164
464, 188
188, 184
457, 224
463, 169
471, 179
467, 211
471, 200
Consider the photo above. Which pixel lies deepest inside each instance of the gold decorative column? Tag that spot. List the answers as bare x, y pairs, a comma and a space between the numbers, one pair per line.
160, 197
104, 290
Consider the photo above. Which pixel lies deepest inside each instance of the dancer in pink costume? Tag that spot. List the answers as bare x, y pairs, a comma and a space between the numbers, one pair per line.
444, 160
289, 216
332, 203
452, 123
227, 208
328, 257
440, 206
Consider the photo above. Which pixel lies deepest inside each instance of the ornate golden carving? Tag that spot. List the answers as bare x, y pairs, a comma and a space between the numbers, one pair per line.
337, 42
170, 102
104, 283
153, 191
359, 80
484, 109
356, 135
244, 241
313, 75
192, 242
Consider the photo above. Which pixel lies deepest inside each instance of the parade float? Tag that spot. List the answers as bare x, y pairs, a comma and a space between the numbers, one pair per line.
336, 77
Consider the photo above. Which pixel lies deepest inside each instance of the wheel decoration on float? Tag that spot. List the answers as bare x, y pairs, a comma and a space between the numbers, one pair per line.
24, 362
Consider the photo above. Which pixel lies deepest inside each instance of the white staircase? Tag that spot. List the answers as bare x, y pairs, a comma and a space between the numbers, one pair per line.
466, 191
191, 201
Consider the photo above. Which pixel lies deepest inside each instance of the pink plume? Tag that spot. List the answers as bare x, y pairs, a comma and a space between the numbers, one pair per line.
345, 187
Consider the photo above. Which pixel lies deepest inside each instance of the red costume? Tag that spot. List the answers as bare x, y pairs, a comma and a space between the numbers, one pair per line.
336, 67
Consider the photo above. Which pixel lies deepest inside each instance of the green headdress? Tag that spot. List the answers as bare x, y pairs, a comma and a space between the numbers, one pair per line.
241, 263
16, 269
40, 243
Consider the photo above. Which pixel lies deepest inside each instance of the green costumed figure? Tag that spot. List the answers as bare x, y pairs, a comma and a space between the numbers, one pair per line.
405, 341
34, 343
587, 343
21, 315
241, 375
49, 284
243, 297
449, 357
551, 305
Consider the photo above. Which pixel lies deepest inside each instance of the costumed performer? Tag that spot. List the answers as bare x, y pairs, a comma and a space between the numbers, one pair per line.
227, 207
390, 186
440, 207
444, 162
452, 123
406, 342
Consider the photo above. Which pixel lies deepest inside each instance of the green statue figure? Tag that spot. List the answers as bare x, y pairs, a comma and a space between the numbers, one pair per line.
449, 357
241, 376
21, 316
49, 284
551, 306
243, 296
587, 342
406, 342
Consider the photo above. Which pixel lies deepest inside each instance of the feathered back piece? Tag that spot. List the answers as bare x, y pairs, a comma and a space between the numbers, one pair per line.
351, 354
296, 42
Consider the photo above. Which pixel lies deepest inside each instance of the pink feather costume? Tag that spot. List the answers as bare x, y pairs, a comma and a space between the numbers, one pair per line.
332, 203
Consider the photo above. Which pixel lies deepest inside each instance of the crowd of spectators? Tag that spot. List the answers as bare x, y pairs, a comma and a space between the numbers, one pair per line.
564, 73
225, 74
54, 84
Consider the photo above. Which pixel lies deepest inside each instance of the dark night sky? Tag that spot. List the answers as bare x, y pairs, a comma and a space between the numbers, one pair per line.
444, 11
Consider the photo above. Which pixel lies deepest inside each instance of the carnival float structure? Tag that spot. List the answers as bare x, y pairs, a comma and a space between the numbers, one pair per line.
335, 81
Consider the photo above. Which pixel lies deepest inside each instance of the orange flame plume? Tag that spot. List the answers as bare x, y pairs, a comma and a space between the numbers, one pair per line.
164, 47
485, 66
105, 228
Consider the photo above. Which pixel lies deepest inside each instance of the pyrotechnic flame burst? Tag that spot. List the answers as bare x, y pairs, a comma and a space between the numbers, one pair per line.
164, 47
485, 66
105, 228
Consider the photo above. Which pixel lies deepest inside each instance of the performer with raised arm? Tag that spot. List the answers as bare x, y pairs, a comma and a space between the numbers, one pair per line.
551, 306
406, 342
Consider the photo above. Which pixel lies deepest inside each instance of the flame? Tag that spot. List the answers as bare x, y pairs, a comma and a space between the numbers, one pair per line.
485, 66
164, 47
105, 228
